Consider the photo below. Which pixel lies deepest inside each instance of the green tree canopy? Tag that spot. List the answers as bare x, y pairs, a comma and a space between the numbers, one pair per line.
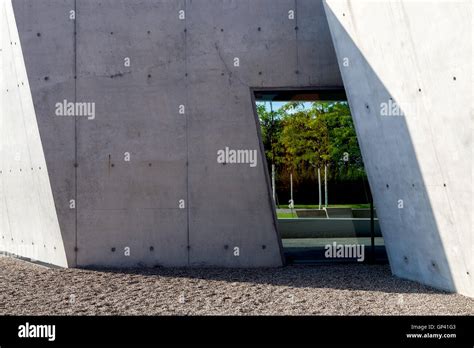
305, 139
299, 139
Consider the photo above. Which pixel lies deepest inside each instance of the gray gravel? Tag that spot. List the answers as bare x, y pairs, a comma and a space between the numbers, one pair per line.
29, 289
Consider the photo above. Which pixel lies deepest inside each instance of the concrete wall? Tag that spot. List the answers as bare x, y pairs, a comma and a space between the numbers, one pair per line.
419, 55
28, 219
327, 228
180, 101
140, 183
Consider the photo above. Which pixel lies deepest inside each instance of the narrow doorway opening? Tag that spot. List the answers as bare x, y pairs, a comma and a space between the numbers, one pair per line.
319, 187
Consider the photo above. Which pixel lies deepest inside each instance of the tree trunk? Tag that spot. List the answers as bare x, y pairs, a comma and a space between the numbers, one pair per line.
326, 185
319, 186
291, 190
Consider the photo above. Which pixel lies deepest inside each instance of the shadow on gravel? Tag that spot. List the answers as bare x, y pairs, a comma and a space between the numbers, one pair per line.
341, 277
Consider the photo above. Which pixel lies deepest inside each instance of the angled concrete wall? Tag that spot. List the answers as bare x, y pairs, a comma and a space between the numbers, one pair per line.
171, 81
28, 219
419, 163
140, 184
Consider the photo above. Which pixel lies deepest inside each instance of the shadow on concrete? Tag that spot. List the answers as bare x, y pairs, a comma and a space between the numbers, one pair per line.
411, 235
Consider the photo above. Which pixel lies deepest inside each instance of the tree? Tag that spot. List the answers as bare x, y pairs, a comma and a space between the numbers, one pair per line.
270, 125
345, 157
300, 140
305, 139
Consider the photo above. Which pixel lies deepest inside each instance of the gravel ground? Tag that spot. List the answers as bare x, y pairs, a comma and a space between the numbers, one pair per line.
29, 289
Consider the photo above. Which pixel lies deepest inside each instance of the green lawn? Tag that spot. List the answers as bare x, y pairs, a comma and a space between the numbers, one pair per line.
315, 206
286, 215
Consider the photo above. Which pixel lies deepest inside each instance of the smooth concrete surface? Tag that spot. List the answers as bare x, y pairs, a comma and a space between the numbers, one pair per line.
339, 212
419, 164
172, 83
29, 224
363, 213
310, 213
140, 184
326, 228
